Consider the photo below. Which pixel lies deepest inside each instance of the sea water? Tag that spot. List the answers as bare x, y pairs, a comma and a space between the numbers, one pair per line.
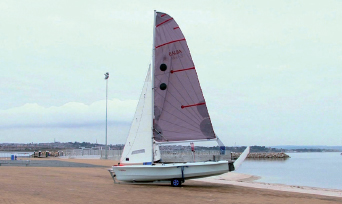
323, 170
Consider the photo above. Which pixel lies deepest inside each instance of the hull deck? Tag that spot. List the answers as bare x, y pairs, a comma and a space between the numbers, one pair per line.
162, 172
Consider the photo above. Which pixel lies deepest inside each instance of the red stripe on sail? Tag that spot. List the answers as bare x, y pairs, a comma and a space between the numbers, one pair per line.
164, 22
175, 28
163, 15
170, 42
172, 71
198, 104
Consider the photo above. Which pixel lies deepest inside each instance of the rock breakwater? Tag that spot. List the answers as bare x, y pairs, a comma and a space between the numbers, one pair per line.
262, 155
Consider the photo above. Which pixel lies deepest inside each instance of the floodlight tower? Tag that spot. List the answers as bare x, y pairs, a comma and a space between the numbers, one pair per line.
106, 78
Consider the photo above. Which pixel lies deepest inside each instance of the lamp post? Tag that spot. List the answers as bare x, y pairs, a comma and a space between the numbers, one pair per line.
106, 78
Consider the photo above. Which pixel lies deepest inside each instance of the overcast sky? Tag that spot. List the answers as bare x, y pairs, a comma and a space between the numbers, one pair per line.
271, 71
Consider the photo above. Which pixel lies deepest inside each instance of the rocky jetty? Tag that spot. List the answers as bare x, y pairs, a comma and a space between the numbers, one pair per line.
262, 155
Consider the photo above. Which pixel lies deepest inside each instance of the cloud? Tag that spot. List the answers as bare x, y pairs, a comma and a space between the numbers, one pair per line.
69, 115
73, 121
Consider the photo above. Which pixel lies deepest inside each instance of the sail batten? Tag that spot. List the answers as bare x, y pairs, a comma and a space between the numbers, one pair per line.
170, 42
180, 70
164, 22
180, 111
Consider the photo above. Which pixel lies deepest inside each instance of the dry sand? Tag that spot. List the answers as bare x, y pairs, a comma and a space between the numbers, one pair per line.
47, 185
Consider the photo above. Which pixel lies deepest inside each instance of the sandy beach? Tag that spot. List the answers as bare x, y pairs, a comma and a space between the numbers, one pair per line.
88, 181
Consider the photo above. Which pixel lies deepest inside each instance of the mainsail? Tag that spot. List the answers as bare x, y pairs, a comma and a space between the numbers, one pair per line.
138, 147
180, 111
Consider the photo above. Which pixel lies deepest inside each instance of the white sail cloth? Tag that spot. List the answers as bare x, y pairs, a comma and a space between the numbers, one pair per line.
138, 147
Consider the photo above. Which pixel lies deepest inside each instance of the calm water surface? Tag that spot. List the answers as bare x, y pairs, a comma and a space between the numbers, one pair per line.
323, 170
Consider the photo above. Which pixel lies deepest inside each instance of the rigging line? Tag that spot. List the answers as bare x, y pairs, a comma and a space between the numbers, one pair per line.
190, 119
195, 130
159, 133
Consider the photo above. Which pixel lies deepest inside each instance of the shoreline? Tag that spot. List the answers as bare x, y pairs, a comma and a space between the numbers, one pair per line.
246, 180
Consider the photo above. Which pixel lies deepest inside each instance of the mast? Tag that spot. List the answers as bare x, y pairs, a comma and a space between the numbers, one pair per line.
153, 58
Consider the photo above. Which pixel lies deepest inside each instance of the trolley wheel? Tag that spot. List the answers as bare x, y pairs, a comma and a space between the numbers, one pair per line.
176, 182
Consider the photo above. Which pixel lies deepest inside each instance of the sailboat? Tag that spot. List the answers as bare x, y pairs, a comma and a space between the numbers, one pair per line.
171, 109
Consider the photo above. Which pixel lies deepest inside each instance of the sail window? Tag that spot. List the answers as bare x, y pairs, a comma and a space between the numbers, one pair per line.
163, 86
163, 67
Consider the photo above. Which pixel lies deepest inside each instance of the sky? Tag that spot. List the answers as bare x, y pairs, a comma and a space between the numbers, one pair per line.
270, 71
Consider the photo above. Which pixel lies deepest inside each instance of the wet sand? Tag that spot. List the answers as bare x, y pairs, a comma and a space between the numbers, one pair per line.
92, 184
238, 179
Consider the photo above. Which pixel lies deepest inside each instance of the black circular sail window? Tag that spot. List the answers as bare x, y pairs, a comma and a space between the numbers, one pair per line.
163, 67
163, 86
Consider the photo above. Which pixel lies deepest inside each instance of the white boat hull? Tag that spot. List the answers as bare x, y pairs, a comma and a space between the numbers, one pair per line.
163, 172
